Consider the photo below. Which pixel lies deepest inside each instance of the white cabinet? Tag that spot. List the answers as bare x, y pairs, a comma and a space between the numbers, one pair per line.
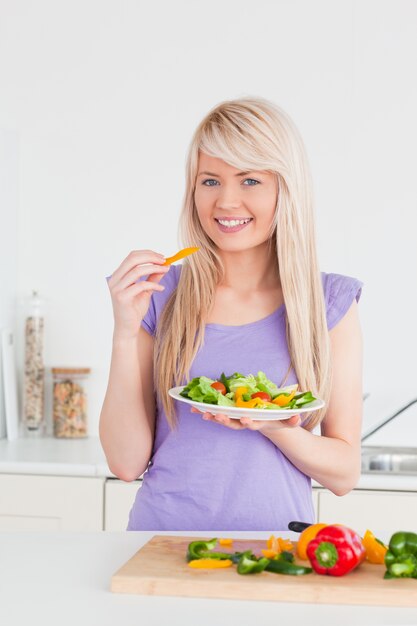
383, 512
118, 500
30, 502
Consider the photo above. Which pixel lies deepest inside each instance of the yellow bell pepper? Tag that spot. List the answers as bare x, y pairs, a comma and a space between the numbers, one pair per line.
210, 563
306, 536
180, 255
247, 404
375, 551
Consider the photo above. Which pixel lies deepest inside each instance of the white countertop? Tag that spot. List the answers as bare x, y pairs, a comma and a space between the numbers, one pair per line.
85, 457
63, 578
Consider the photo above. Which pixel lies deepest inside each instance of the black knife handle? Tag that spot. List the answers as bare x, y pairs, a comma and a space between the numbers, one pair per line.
298, 527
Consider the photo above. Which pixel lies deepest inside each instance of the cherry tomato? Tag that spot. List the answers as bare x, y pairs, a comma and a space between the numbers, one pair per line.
262, 395
219, 387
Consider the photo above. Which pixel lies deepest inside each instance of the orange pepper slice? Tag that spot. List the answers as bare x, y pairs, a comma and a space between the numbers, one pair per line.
270, 554
272, 544
225, 542
180, 255
210, 563
283, 400
306, 536
285, 544
278, 545
375, 551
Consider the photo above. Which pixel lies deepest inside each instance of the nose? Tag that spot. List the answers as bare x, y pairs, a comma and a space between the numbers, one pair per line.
228, 197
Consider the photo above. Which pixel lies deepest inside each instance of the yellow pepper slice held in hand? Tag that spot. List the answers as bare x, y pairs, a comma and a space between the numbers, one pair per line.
180, 255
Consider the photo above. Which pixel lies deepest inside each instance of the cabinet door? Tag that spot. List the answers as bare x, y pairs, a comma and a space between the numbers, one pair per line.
30, 502
383, 512
118, 500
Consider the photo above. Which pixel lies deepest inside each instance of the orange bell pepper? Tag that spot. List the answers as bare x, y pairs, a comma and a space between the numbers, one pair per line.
283, 400
276, 545
306, 536
180, 255
210, 563
225, 542
375, 549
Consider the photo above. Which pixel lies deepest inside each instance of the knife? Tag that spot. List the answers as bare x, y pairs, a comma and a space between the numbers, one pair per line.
298, 527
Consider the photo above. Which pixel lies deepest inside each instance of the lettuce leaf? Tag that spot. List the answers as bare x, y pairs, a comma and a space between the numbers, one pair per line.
200, 390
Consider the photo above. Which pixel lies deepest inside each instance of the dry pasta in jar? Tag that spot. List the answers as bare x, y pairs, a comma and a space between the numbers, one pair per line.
69, 412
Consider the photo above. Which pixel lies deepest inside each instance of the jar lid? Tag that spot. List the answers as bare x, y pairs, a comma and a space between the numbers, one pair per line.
71, 370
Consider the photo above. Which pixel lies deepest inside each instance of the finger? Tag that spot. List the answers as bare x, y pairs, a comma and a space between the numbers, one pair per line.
194, 410
136, 257
292, 421
127, 294
224, 420
137, 273
250, 424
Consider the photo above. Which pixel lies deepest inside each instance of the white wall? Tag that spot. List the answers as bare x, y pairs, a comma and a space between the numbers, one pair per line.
105, 96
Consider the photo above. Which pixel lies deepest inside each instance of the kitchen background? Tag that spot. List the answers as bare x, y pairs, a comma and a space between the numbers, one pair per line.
98, 102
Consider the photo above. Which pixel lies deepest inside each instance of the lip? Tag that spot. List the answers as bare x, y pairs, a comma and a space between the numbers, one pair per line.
228, 218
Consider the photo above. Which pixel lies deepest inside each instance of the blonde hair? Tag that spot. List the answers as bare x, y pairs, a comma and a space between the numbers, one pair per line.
250, 134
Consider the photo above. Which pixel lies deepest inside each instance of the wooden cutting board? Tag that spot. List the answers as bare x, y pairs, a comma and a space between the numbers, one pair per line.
159, 568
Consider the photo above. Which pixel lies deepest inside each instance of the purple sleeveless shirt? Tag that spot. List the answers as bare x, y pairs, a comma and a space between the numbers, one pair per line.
204, 476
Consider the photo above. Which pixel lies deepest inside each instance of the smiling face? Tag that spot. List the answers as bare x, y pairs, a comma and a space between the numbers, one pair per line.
235, 208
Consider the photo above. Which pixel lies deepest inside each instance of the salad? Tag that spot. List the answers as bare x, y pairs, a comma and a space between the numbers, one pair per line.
247, 392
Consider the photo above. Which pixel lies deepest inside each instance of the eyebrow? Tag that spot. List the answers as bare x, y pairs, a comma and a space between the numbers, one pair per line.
217, 176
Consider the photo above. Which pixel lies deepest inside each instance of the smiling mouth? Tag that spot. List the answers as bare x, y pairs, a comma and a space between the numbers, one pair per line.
235, 221
233, 225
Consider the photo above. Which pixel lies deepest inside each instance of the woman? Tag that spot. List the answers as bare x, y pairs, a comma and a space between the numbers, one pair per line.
252, 298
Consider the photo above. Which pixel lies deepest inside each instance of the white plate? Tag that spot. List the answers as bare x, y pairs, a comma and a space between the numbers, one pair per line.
237, 412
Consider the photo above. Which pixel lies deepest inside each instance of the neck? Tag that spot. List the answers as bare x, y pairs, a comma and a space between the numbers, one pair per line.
250, 270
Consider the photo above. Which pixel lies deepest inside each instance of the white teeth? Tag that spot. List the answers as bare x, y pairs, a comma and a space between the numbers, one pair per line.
233, 222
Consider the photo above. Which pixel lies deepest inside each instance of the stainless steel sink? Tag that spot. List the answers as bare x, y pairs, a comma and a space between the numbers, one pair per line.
389, 460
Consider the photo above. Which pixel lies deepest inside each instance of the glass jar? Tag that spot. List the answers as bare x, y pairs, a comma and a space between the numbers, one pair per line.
34, 372
69, 411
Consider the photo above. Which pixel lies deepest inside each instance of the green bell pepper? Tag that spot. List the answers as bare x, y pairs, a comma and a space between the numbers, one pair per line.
204, 550
249, 564
281, 566
401, 556
283, 563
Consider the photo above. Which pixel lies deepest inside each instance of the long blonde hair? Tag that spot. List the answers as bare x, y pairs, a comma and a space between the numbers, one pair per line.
250, 134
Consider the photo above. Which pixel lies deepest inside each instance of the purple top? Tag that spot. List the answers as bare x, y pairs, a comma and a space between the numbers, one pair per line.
205, 476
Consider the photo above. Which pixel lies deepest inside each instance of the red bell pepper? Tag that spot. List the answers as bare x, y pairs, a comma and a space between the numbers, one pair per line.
335, 550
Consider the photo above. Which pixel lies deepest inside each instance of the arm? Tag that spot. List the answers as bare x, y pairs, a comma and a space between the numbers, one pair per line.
333, 459
127, 419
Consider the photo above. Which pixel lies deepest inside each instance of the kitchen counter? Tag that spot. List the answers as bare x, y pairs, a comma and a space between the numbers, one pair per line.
64, 578
85, 457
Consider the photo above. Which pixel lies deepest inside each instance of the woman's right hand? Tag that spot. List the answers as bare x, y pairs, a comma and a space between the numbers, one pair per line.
131, 299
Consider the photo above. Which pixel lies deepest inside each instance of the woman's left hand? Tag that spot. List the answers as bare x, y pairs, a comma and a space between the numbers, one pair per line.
246, 422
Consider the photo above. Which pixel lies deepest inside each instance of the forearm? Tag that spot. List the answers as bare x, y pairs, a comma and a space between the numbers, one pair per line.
332, 462
126, 432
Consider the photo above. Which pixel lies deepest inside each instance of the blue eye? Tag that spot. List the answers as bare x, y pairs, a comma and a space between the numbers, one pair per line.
252, 180
210, 180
